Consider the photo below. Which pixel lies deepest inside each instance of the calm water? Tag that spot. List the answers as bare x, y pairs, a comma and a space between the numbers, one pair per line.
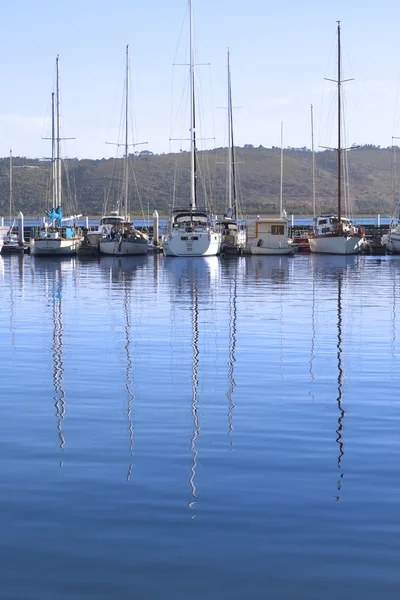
200, 429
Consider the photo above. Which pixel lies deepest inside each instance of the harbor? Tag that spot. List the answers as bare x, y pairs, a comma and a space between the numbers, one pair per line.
298, 234
199, 302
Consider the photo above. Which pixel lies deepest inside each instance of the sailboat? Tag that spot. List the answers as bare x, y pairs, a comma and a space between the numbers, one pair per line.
123, 239
333, 233
13, 242
233, 233
55, 238
192, 231
269, 235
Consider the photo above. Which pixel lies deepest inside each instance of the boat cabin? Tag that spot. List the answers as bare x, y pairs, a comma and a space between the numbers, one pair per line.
191, 220
55, 233
267, 232
111, 220
329, 224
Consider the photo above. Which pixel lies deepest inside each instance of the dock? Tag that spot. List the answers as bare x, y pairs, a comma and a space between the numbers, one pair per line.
373, 233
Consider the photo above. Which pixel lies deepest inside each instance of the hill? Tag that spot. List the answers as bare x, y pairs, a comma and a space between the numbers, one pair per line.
93, 185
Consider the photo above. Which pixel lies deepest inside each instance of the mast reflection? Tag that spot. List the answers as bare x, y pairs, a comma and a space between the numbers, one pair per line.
195, 383
129, 381
232, 348
54, 279
339, 439
121, 273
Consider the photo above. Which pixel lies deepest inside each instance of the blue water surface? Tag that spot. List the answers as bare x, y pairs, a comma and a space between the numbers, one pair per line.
199, 428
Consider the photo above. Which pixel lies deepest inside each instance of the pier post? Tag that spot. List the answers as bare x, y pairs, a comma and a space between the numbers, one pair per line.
155, 228
87, 222
20, 229
292, 220
1, 221
378, 220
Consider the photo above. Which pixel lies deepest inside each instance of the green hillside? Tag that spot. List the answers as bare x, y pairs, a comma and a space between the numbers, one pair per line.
94, 185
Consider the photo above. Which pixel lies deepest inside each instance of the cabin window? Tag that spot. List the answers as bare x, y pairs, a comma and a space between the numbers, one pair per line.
277, 229
184, 237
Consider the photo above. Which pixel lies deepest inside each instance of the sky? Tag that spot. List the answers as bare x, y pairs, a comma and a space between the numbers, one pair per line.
280, 54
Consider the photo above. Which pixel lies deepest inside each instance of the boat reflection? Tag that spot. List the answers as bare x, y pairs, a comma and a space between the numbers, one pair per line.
274, 268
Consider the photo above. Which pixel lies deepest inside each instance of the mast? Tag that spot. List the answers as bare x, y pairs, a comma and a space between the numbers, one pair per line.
126, 134
53, 153
281, 185
232, 205
313, 160
229, 140
58, 138
11, 190
192, 117
339, 147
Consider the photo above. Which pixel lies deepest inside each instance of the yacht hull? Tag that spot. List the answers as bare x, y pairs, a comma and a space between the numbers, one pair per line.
393, 242
56, 247
197, 244
335, 244
262, 250
123, 247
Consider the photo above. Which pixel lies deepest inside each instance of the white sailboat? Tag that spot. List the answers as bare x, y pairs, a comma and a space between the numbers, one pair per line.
233, 234
123, 238
333, 233
269, 235
192, 231
55, 238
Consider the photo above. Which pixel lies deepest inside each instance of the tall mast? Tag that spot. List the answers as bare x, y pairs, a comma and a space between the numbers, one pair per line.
53, 153
11, 188
281, 186
313, 160
231, 174
58, 139
229, 140
339, 147
192, 117
126, 133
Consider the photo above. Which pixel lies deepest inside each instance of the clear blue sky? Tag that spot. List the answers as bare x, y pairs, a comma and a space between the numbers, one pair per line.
280, 54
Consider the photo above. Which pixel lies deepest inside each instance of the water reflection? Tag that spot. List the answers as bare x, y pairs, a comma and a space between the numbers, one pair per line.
232, 348
342, 413
274, 268
333, 271
123, 272
195, 383
189, 279
54, 271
